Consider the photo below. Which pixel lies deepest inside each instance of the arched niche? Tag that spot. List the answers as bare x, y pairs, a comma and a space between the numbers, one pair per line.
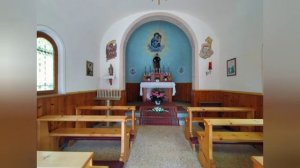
164, 16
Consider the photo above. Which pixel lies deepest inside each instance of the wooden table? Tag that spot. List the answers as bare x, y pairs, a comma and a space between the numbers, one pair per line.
64, 159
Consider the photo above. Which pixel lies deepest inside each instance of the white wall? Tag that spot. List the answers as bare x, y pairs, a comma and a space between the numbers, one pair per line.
85, 26
80, 40
241, 38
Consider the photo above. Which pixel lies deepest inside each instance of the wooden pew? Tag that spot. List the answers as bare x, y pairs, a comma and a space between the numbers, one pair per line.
80, 111
258, 161
65, 159
209, 136
50, 140
189, 135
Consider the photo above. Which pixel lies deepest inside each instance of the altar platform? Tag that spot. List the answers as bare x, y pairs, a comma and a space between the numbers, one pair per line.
168, 117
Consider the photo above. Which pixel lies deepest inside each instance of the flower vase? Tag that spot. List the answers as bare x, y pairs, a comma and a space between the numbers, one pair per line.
157, 102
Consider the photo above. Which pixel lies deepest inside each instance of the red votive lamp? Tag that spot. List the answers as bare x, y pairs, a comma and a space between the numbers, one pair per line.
209, 65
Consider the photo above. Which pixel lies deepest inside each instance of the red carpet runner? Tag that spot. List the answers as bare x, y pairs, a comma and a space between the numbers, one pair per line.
148, 117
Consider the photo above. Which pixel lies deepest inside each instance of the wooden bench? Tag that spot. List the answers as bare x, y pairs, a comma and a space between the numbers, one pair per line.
209, 136
80, 111
50, 140
193, 110
65, 159
258, 161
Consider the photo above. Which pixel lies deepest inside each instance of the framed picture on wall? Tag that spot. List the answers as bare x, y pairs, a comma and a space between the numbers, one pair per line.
89, 68
111, 50
231, 67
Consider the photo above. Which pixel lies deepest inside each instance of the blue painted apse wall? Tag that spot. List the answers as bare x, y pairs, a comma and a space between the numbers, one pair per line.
176, 54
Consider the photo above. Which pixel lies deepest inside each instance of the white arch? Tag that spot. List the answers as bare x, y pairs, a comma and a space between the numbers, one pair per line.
61, 56
165, 17
195, 29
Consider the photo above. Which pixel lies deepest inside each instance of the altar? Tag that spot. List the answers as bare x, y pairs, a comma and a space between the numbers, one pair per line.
146, 87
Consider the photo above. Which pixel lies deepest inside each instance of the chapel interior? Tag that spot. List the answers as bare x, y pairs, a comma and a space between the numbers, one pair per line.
151, 83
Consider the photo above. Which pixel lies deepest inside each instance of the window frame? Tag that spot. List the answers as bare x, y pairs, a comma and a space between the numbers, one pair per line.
50, 39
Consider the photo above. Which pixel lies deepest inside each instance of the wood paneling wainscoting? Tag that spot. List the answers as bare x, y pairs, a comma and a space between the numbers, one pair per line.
133, 92
183, 92
231, 98
206, 95
64, 104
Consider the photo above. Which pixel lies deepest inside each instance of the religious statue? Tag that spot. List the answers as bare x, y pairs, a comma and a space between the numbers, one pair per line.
206, 50
156, 63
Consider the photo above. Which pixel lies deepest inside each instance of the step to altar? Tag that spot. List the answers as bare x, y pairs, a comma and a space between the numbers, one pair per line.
181, 115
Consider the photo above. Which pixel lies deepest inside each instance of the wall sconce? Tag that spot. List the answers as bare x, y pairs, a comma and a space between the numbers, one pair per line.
209, 68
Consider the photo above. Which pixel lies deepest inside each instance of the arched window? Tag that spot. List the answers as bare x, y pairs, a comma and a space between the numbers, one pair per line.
47, 64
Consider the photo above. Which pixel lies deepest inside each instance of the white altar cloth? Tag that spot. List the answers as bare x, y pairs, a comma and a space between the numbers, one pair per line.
157, 85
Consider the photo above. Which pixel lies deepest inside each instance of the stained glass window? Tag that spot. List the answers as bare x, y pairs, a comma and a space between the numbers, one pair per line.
45, 65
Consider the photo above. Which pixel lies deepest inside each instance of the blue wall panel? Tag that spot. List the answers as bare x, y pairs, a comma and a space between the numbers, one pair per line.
175, 56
